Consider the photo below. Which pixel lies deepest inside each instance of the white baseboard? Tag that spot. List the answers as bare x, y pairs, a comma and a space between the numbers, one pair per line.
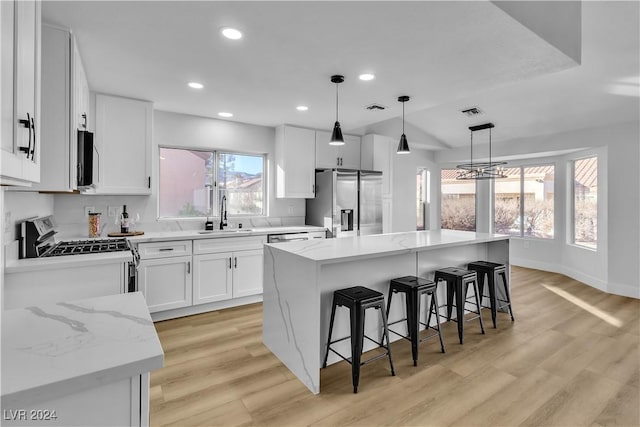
203, 308
610, 288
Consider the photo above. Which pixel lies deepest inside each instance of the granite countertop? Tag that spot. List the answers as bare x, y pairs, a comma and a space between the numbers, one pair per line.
54, 350
351, 248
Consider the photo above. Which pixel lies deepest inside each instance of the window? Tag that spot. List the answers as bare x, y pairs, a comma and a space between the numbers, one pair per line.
458, 206
193, 182
585, 202
524, 202
423, 198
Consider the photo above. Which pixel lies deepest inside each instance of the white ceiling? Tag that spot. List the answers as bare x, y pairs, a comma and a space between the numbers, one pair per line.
445, 55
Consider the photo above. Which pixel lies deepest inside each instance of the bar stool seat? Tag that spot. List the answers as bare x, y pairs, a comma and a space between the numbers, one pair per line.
458, 281
357, 299
414, 288
493, 270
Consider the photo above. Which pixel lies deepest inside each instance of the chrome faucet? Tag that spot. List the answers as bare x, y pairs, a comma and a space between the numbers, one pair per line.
223, 213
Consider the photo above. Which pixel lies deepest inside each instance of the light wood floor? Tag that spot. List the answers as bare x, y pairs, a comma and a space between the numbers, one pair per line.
571, 358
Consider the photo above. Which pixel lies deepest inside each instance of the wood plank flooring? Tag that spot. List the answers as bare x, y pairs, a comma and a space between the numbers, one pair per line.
571, 358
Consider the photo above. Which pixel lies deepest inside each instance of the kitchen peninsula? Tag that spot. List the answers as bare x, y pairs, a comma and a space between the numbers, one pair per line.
81, 363
300, 278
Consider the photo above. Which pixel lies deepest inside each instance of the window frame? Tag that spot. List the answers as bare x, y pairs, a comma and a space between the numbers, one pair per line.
571, 211
440, 202
214, 209
522, 166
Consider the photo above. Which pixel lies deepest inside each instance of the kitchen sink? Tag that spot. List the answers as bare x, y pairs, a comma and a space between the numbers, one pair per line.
234, 231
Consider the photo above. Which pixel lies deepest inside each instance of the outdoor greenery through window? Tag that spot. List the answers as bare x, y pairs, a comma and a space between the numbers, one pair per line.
585, 202
524, 202
458, 205
193, 182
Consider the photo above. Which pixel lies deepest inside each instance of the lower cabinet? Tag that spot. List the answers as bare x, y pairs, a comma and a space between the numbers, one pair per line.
212, 277
166, 282
170, 277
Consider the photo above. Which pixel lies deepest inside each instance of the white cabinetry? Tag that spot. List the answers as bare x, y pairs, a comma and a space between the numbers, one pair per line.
164, 274
295, 162
123, 141
227, 268
65, 99
345, 156
20, 92
378, 153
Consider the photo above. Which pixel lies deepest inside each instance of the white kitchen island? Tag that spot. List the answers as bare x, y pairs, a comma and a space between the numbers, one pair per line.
300, 278
79, 363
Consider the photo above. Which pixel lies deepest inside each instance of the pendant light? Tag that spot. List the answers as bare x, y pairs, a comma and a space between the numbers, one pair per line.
336, 135
403, 146
481, 170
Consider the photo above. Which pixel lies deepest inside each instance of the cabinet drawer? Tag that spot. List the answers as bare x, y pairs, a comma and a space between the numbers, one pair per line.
228, 244
164, 249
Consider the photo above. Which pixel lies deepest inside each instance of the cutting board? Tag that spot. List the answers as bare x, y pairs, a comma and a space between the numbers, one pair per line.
132, 233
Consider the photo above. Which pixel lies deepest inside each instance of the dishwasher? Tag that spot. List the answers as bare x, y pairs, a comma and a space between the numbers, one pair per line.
292, 237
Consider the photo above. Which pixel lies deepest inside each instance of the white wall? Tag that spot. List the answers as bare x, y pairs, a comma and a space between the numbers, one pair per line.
180, 130
613, 266
21, 205
405, 167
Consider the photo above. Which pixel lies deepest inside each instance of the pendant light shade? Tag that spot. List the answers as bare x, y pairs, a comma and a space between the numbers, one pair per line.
481, 170
336, 135
403, 146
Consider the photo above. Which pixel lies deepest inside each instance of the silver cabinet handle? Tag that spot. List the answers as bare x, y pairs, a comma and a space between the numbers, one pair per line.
165, 249
235, 262
229, 263
188, 267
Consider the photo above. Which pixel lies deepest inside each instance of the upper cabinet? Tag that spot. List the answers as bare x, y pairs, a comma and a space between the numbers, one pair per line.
345, 156
65, 99
123, 131
295, 161
20, 92
378, 154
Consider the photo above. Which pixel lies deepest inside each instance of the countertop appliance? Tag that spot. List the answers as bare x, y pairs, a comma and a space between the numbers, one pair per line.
347, 202
292, 237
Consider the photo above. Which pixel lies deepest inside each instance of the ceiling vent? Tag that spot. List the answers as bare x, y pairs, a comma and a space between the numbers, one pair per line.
471, 112
375, 107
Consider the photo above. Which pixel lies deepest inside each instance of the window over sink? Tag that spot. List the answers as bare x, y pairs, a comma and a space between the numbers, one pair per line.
193, 182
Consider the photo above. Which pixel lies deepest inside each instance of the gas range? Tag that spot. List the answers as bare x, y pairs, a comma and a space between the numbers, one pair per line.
93, 246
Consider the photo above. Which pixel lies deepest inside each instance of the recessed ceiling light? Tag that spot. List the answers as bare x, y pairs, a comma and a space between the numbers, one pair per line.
223, 114
366, 77
231, 33
302, 108
195, 85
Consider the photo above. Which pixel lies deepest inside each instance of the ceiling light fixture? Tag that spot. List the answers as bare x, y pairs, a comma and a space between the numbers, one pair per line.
231, 33
403, 146
481, 170
366, 77
302, 108
195, 85
224, 114
336, 135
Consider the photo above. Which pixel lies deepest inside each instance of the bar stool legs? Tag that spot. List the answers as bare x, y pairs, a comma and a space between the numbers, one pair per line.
357, 299
493, 271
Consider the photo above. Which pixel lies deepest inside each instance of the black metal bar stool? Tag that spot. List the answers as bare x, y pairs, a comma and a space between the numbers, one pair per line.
414, 287
493, 270
458, 281
357, 299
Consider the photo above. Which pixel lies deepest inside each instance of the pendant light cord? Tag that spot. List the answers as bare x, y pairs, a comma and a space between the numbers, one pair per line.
471, 149
403, 117
490, 148
336, 102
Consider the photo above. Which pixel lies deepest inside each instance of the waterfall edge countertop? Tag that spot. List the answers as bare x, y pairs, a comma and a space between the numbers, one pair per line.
58, 349
326, 251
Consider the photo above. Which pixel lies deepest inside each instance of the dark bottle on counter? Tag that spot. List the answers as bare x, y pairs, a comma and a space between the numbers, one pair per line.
124, 220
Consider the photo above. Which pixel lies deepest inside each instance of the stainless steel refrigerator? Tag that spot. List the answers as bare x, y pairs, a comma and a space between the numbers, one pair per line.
347, 202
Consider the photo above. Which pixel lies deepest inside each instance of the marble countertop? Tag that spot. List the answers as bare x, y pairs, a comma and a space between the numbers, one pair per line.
350, 248
58, 349
159, 236
48, 263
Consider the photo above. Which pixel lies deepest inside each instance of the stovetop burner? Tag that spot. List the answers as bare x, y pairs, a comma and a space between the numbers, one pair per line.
78, 247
